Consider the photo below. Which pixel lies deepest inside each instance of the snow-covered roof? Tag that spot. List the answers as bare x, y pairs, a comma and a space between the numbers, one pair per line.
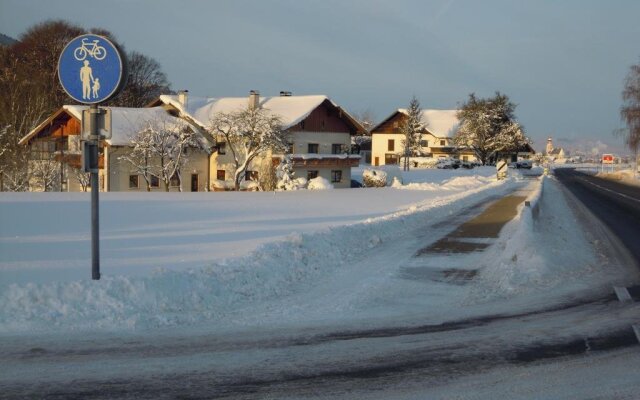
441, 123
126, 122
292, 109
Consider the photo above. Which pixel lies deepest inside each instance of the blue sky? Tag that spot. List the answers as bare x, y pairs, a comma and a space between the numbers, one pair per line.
562, 62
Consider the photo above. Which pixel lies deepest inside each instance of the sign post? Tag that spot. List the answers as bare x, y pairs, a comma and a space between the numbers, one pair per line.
607, 159
501, 169
91, 71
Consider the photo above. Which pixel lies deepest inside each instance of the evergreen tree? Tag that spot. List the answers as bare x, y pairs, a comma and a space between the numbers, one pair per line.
285, 174
412, 130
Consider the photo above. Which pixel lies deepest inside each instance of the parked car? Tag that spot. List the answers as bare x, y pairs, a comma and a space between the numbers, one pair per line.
467, 165
527, 164
448, 163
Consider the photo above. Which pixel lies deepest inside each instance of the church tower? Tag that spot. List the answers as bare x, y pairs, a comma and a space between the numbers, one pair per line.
549, 148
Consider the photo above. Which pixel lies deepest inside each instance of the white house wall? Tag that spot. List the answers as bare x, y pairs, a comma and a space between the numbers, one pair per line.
120, 170
325, 140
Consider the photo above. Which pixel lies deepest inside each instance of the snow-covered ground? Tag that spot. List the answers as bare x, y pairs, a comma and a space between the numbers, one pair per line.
199, 253
189, 265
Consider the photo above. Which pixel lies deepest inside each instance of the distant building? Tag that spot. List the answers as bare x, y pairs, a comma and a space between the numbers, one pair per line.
437, 137
554, 153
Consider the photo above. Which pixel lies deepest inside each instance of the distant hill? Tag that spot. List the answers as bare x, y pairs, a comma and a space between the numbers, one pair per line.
6, 40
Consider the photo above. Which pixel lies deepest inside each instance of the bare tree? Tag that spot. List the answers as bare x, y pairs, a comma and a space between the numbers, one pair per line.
83, 178
249, 133
367, 119
146, 82
139, 156
630, 111
160, 150
45, 171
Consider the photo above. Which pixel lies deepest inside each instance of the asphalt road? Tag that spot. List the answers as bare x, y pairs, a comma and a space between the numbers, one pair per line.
616, 204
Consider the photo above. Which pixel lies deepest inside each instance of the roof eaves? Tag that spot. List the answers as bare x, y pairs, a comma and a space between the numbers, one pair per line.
25, 140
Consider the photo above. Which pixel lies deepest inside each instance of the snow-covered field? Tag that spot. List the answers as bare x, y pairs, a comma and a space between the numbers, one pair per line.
217, 247
258, 263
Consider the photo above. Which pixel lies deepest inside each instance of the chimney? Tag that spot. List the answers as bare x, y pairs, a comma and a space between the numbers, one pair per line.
254, 99
183, 97
285, 94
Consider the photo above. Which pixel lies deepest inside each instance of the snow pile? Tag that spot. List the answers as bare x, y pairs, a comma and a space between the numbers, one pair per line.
215, 292
222, 185
423, 162
374, 178
543, 253
249, 185
449, 184
319, 183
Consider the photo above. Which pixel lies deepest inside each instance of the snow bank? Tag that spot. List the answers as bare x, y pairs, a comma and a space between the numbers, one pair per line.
374, 178
449, 184
212, 293
543, 253
319, 183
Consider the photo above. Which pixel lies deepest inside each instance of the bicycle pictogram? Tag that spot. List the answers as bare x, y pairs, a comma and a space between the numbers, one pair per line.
90, 49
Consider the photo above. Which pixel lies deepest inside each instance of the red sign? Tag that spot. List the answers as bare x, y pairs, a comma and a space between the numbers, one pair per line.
607, 158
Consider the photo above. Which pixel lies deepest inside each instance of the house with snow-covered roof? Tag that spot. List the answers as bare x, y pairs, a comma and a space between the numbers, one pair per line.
55, 145
319, 133
439, 128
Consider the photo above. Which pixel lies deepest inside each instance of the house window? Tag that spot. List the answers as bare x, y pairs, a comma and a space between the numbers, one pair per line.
391, 145
250, 175
133, 182
465, 158
312, 174
302, 125
336, 176
424, 143
336, 148
221, 175
155, 181
175, 180
395, 124
443, 142
290, 148
313, 148
222, 148
390, 159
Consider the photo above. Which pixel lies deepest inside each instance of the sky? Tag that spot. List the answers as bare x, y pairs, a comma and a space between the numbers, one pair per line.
562, 63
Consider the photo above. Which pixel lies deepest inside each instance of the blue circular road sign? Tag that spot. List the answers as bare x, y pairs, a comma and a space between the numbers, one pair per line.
91, 69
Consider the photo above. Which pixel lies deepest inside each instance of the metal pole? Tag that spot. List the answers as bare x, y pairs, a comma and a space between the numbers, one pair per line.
95, 189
